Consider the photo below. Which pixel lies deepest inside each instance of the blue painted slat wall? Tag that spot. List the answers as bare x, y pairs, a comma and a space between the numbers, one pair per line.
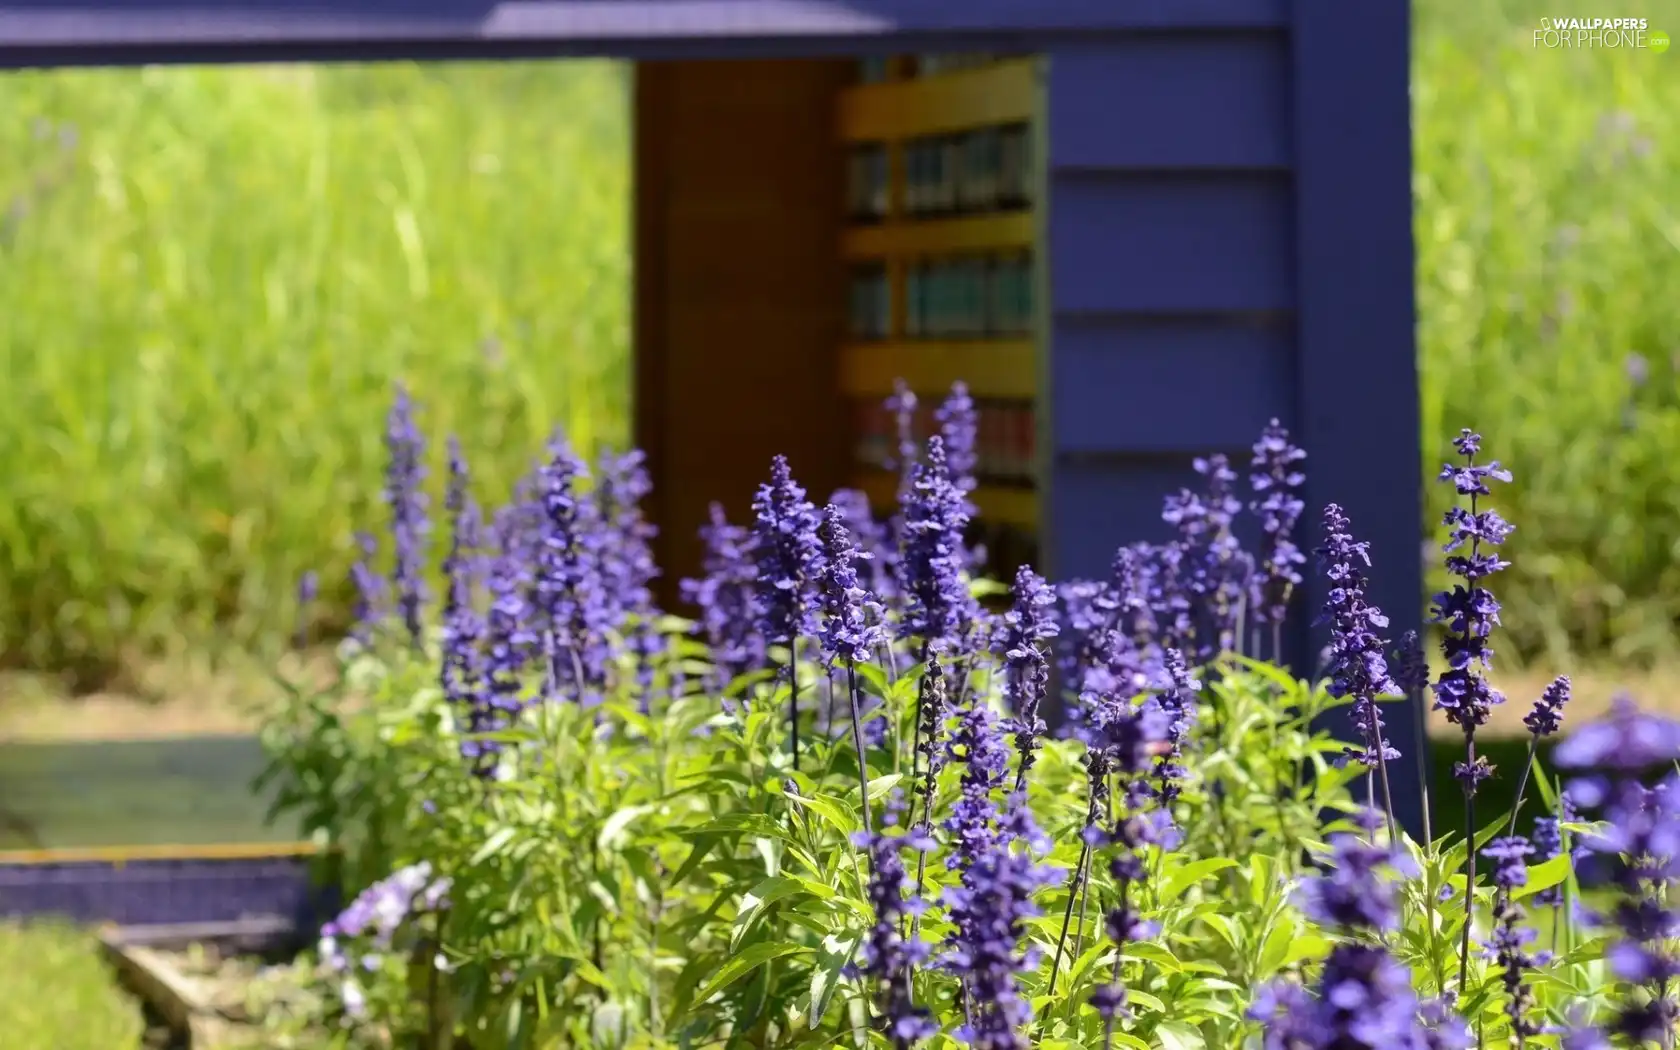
1227, 239
1170, 235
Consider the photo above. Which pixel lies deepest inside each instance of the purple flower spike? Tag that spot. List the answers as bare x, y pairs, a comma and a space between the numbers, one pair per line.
1469, 611
1357, 668
371, 596
1547, 716
889, 959
1026, 665
852, 625
405, 476
568, 593
939, 608
789, 557
725, 596
1276, 482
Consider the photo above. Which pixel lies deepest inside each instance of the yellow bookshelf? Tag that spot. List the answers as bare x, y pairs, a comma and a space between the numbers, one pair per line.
940, 248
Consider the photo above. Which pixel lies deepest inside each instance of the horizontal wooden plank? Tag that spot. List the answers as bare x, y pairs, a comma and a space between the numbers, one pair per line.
999, 505
1181, 243
1002, 93
999, 369
1186, 384
1194, 100
119, 855
1010, 231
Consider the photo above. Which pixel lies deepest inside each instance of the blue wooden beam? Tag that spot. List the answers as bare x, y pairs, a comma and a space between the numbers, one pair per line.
1357, 362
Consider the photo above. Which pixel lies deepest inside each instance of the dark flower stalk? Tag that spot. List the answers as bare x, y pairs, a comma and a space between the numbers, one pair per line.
1026, 666
725, 596
789, 559
1469, 612
405, 474
1357, 669
1097, 770
851, 628
1275, 481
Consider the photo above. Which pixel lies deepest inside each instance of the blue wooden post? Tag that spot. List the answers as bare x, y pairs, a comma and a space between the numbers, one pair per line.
1355, 343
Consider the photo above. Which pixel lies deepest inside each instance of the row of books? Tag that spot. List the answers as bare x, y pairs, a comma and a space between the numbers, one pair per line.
967, 297
1004, 445
879, 69
978, 171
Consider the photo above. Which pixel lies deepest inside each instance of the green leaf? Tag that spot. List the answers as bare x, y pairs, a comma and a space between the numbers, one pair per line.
1181, 879
746, 961
825, 978
759, 898
1175, 1035
493, 845
1543, 876
613, 828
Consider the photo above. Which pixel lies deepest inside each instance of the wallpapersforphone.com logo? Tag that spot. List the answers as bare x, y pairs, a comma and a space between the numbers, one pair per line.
1629, 34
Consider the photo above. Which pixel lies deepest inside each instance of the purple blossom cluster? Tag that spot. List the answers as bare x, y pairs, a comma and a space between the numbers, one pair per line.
1356, 668
366, 929
405, 495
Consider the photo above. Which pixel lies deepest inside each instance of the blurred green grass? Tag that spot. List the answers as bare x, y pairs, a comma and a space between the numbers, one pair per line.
58, 993
1548, 238
210, 279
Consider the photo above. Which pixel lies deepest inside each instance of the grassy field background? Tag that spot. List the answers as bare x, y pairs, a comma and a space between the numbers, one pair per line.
210, 279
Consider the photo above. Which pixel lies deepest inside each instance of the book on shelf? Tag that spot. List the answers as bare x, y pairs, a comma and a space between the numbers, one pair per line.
870, 314
1015, 167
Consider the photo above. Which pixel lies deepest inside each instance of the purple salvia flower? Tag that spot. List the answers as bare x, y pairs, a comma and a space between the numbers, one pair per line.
1509, 944
789, 564
1364, 1000
994, 898
371, 608
1411, 667
873, 538
1547, 716
627, 568
1217, 576
1356, 893
902, 406
852, 618
1276, 482
1026, 665
405, 474
939, 609
725, 596
462, 671
959, 427
509, 642
1637, 852
461, 562
889, 959
1357, 668
1469, 611
570, 602
308, 591
789, 557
